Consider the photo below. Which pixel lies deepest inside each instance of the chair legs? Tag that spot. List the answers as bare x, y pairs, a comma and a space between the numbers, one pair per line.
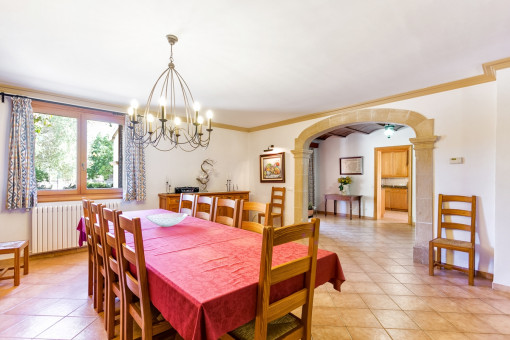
471, 280
431, 259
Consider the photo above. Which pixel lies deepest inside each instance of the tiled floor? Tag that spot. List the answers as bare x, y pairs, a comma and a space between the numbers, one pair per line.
386, 295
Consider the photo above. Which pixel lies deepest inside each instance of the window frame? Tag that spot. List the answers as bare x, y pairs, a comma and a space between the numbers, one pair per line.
82, 115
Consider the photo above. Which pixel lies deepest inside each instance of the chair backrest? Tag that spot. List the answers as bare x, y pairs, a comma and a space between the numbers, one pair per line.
187, 204
204, 203
256, 207
88, 225
278, 199
269, 275
133, 256
110, 216
96, 211
223, 209
445, 214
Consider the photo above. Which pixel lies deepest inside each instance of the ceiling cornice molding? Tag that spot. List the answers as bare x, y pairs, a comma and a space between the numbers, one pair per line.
489, 74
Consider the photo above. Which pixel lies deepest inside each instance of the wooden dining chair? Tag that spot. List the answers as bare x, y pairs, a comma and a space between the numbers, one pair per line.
187, 204
113, 285
274, 320
204, 203
137, 305
245, 208
278, 202
91, 249
450, 218
225, 211
100, 260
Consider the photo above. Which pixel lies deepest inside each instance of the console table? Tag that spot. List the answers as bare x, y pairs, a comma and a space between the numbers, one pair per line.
338, 197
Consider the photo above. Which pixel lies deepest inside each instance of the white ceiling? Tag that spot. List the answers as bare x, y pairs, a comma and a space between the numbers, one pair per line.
252, 62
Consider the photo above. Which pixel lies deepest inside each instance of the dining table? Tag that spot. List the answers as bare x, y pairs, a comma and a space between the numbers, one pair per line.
203, 276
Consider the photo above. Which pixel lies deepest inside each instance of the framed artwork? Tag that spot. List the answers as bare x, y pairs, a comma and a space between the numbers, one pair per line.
272, 168
351, 165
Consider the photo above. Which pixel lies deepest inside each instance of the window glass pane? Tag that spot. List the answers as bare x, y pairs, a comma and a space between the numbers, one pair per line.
56, 140
104, 169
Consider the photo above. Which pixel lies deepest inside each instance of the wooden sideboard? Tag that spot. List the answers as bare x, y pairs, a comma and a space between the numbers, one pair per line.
171, 201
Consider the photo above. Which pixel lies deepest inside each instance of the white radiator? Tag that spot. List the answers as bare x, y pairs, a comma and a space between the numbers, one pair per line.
54, 227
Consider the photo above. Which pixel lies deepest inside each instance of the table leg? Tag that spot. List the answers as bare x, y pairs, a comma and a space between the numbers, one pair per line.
350, 209
334, 207
25, 260
359, 208
16, 267
325, 207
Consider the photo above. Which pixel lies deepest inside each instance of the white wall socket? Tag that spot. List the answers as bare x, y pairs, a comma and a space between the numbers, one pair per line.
456, 160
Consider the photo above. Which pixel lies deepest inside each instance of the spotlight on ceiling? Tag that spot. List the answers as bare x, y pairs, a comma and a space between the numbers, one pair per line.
389, 130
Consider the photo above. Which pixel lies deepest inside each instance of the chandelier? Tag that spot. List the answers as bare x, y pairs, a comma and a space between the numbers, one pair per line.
169, 128
389, 130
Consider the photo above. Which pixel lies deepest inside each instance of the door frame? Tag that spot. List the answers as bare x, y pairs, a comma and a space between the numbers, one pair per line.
377, 179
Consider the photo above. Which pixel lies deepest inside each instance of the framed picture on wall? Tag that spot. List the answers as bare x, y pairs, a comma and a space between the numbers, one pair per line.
272, 168
351, 165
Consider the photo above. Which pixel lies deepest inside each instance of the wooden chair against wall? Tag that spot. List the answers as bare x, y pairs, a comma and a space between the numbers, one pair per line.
278, 202
101, 264
258, 208
91, 248
274, 320
444, 214
221, 213
187, 204
113, 285
206, 201
135, 289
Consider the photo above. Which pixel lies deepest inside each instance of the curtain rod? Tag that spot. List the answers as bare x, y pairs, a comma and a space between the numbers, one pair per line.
4, 94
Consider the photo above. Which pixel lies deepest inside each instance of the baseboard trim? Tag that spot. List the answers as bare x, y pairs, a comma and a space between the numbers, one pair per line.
8, 262
319, 212
500, 287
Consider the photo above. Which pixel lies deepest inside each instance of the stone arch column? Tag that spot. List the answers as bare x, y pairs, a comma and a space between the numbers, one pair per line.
423, 145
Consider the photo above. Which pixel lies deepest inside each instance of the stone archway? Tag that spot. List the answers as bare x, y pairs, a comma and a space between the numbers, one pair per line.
423, 146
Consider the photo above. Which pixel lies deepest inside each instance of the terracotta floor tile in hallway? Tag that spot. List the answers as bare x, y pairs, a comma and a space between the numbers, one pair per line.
386, 295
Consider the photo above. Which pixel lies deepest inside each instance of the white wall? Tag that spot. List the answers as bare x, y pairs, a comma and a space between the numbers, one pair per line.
502, 232
227, 149
354, 145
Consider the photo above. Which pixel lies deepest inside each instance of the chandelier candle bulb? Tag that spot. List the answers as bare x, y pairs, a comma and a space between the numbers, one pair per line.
209, 115
150, 119
162, 103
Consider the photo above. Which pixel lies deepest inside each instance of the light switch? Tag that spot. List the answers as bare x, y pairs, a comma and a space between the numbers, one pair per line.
456, 160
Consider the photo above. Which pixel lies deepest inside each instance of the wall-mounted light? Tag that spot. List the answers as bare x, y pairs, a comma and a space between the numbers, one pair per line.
269, 148
389, 130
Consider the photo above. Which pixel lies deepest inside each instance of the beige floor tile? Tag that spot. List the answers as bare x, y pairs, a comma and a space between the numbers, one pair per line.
394, 319
322, 299
67, 328
329, 332
499, 304
475, 306
30, 326
326, 316
456, 292
468, 323
441, 304
368, 288
382, 278
9, 320
358, 317
430, 321
358, 333
408, 278
475, 336
379, 301
406, 302
348, 300
357, 277
501, 323
395, 289
32, 306
407, 334
439, 335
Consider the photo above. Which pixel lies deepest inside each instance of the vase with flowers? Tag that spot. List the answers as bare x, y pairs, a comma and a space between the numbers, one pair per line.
344, 184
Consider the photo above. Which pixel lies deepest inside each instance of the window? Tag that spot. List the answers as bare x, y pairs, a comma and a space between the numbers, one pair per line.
78, 152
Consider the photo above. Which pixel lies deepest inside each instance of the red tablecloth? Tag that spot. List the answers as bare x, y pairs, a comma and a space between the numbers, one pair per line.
203, 276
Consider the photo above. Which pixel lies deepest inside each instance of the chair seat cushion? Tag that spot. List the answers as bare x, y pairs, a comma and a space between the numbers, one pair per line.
275, 329
450, 242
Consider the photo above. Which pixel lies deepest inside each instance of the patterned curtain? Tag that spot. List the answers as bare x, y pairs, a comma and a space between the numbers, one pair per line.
134, 158
21, 183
